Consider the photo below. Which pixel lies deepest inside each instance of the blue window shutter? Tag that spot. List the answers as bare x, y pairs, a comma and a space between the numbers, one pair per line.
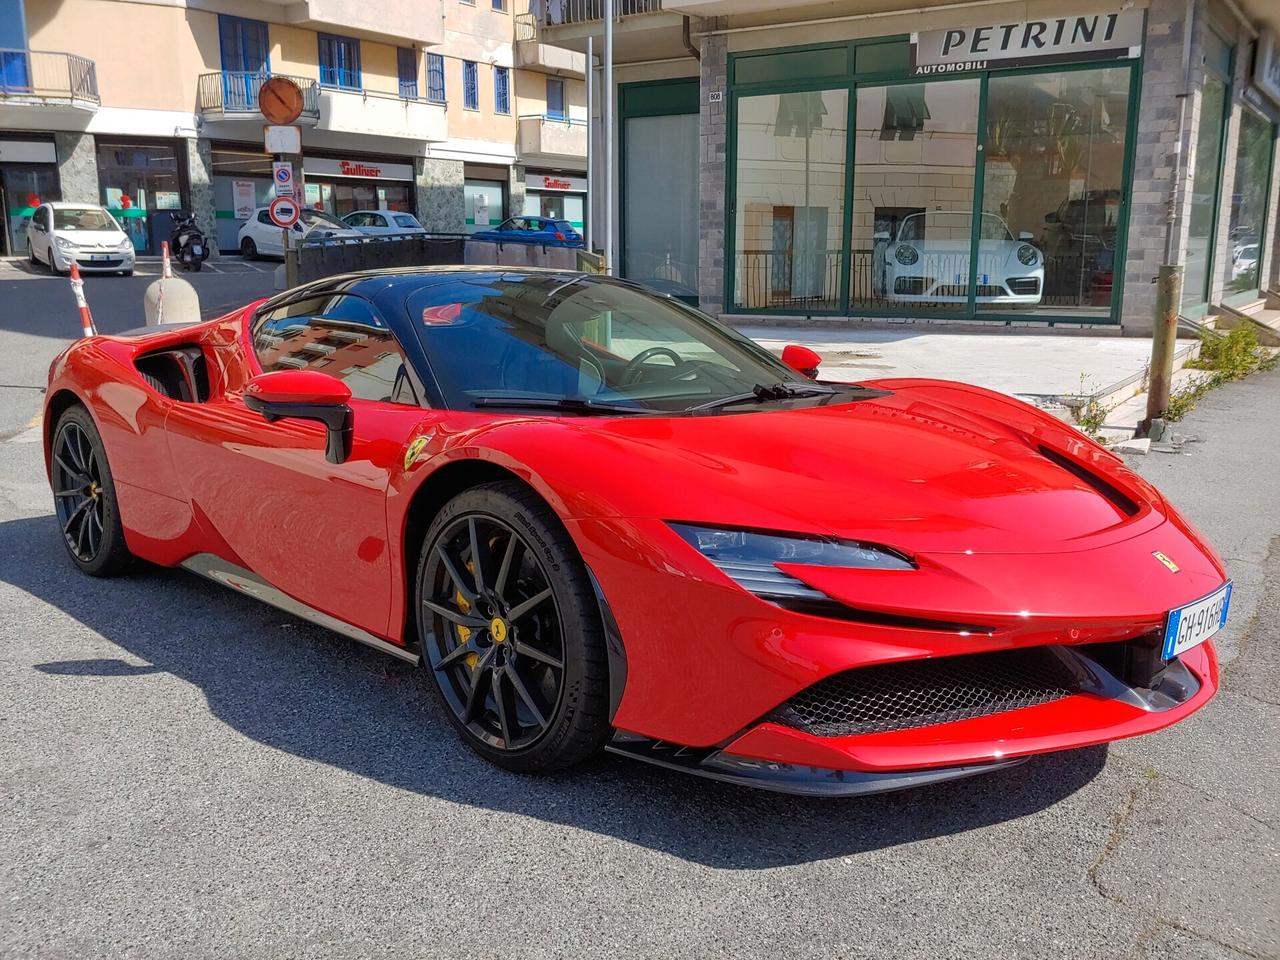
435, 77
501, 90
470, 86
407, 68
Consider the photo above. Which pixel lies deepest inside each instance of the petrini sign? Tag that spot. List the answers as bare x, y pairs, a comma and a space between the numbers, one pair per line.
1099, 36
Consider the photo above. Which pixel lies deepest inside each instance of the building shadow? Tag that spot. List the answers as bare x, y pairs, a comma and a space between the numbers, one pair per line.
300, 689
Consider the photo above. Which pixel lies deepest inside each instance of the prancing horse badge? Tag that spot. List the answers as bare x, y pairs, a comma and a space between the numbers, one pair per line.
1173, 567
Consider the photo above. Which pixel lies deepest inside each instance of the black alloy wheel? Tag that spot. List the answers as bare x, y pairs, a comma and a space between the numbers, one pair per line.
510, 632
84, 497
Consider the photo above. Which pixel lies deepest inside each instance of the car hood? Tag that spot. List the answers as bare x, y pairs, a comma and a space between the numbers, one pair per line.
924, 470
93, 238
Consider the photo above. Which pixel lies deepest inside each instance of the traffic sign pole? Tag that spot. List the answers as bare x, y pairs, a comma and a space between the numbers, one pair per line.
280, 100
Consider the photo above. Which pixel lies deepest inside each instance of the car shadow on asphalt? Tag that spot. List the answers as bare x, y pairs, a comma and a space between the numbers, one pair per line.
311, 693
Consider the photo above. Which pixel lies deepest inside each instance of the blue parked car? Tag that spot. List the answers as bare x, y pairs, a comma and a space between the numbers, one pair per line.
543, 230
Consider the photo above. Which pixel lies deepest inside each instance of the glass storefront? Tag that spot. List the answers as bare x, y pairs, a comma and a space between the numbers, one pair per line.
142, 186
789, 212
484, 194
23, 187
995, 193
1207, 176
660, 202
914, 160
1254, 155
1053, 179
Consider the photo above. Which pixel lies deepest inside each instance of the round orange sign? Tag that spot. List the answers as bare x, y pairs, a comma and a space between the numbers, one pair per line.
280, 100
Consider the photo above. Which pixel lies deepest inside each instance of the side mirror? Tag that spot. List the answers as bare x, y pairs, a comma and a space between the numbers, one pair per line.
306, 395
802, 360
1051, 217
1026, 235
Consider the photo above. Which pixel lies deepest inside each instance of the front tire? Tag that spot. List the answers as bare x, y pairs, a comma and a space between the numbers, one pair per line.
84, 496
248, 249
510, 630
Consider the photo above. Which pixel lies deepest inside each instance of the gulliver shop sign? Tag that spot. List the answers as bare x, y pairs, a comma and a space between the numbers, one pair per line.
1102, 36
363, 169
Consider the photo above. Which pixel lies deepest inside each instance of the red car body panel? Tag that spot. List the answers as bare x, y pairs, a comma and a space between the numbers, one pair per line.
1027, 548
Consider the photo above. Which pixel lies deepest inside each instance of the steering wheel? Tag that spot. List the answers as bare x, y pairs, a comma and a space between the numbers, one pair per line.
631, 372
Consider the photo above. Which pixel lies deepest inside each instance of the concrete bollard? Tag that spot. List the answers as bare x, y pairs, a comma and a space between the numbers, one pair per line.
171, 300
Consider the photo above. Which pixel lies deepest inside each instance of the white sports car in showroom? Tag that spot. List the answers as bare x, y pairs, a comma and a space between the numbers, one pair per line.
928, 261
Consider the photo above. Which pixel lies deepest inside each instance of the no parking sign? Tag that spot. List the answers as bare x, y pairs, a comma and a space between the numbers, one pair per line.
283, 212
282, 177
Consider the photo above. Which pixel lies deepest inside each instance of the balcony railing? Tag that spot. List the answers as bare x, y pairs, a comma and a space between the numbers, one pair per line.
47, 75
554, 13
234, 92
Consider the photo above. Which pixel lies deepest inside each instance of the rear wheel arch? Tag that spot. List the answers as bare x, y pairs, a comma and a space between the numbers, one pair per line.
58, 404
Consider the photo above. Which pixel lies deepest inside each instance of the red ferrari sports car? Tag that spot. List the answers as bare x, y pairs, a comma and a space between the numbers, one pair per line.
601, 519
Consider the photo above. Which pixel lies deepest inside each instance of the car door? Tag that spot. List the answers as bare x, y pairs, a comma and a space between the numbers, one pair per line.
313, 529
379, 224
38, 231
267, 235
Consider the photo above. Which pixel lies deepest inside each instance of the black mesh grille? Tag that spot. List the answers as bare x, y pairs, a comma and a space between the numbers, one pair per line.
919, 693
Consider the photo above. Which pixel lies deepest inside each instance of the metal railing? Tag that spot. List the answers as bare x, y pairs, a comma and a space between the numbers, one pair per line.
555, 13
47, 74
237, 92
548, 118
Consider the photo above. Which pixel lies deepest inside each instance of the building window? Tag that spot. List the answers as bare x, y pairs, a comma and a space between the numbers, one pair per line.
500, 5
435, 78
245, 61
407, 68
501, 90
470, 86
339, 62
555, 98
1206, 178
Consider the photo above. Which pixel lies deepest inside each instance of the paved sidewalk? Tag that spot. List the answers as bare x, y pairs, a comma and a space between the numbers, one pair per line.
1030, 365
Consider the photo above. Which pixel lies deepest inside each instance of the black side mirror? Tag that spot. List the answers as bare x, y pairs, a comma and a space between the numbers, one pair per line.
1052, 217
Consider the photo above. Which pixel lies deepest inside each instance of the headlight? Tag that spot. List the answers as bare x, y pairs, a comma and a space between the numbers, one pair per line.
125, 244
1027, 254
906, 255
64, 243
750, 559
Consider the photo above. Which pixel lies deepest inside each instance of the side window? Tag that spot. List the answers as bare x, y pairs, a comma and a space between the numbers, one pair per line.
340, 335
264, 217
357, 219
377, 220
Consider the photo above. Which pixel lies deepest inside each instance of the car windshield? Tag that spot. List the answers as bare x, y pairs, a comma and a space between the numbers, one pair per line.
555, 337
312, 217
404, 220
945, 225
82, 218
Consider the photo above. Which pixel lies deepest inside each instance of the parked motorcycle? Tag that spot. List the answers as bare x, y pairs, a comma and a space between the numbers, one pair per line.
187, 243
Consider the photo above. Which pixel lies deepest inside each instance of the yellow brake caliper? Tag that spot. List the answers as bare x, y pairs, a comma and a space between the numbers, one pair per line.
464, 633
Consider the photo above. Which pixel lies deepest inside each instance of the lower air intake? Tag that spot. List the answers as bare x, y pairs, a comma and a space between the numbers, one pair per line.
920, 693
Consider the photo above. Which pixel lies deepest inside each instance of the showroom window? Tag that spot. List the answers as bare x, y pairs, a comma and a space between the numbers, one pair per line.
789, 214
1249, 205
856, 188
1206, 176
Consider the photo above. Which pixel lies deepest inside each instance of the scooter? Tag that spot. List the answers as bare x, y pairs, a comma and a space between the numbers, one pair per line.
187, 244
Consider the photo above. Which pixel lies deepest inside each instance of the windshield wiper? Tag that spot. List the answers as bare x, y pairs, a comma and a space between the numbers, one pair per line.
566, 404
763, 393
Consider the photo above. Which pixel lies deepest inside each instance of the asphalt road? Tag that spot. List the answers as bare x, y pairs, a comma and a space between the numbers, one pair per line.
186, 773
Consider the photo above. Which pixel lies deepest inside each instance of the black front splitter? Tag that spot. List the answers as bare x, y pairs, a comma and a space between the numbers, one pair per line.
715, 764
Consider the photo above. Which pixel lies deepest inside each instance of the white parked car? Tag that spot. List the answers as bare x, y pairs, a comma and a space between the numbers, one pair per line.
260, 237
383, 223
928, 261
60, 234
1244, 260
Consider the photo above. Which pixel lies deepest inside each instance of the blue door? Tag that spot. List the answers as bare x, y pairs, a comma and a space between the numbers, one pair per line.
245, 61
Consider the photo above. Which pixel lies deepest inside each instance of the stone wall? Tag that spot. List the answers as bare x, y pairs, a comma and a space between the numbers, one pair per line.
712, 139
200, 188
438, 190
516, 191
77, 167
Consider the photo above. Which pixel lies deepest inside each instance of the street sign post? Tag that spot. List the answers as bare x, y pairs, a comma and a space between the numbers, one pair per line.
280, 101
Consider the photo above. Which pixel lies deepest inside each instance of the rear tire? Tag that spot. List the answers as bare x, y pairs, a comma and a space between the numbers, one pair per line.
31, 254
517, 654
248, 249
85, 502
195, 265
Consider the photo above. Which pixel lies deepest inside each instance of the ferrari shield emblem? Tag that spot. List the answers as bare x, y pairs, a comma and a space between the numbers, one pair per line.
415, 448
1173, 567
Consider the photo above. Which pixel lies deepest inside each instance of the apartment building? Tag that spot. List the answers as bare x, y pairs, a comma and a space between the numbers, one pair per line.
150, 107
933, 161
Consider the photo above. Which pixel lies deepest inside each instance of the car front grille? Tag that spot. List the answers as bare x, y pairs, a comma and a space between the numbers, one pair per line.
87, 262
921, 693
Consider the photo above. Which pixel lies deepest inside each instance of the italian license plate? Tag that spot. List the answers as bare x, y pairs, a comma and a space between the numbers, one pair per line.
100, 256
1195, 623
